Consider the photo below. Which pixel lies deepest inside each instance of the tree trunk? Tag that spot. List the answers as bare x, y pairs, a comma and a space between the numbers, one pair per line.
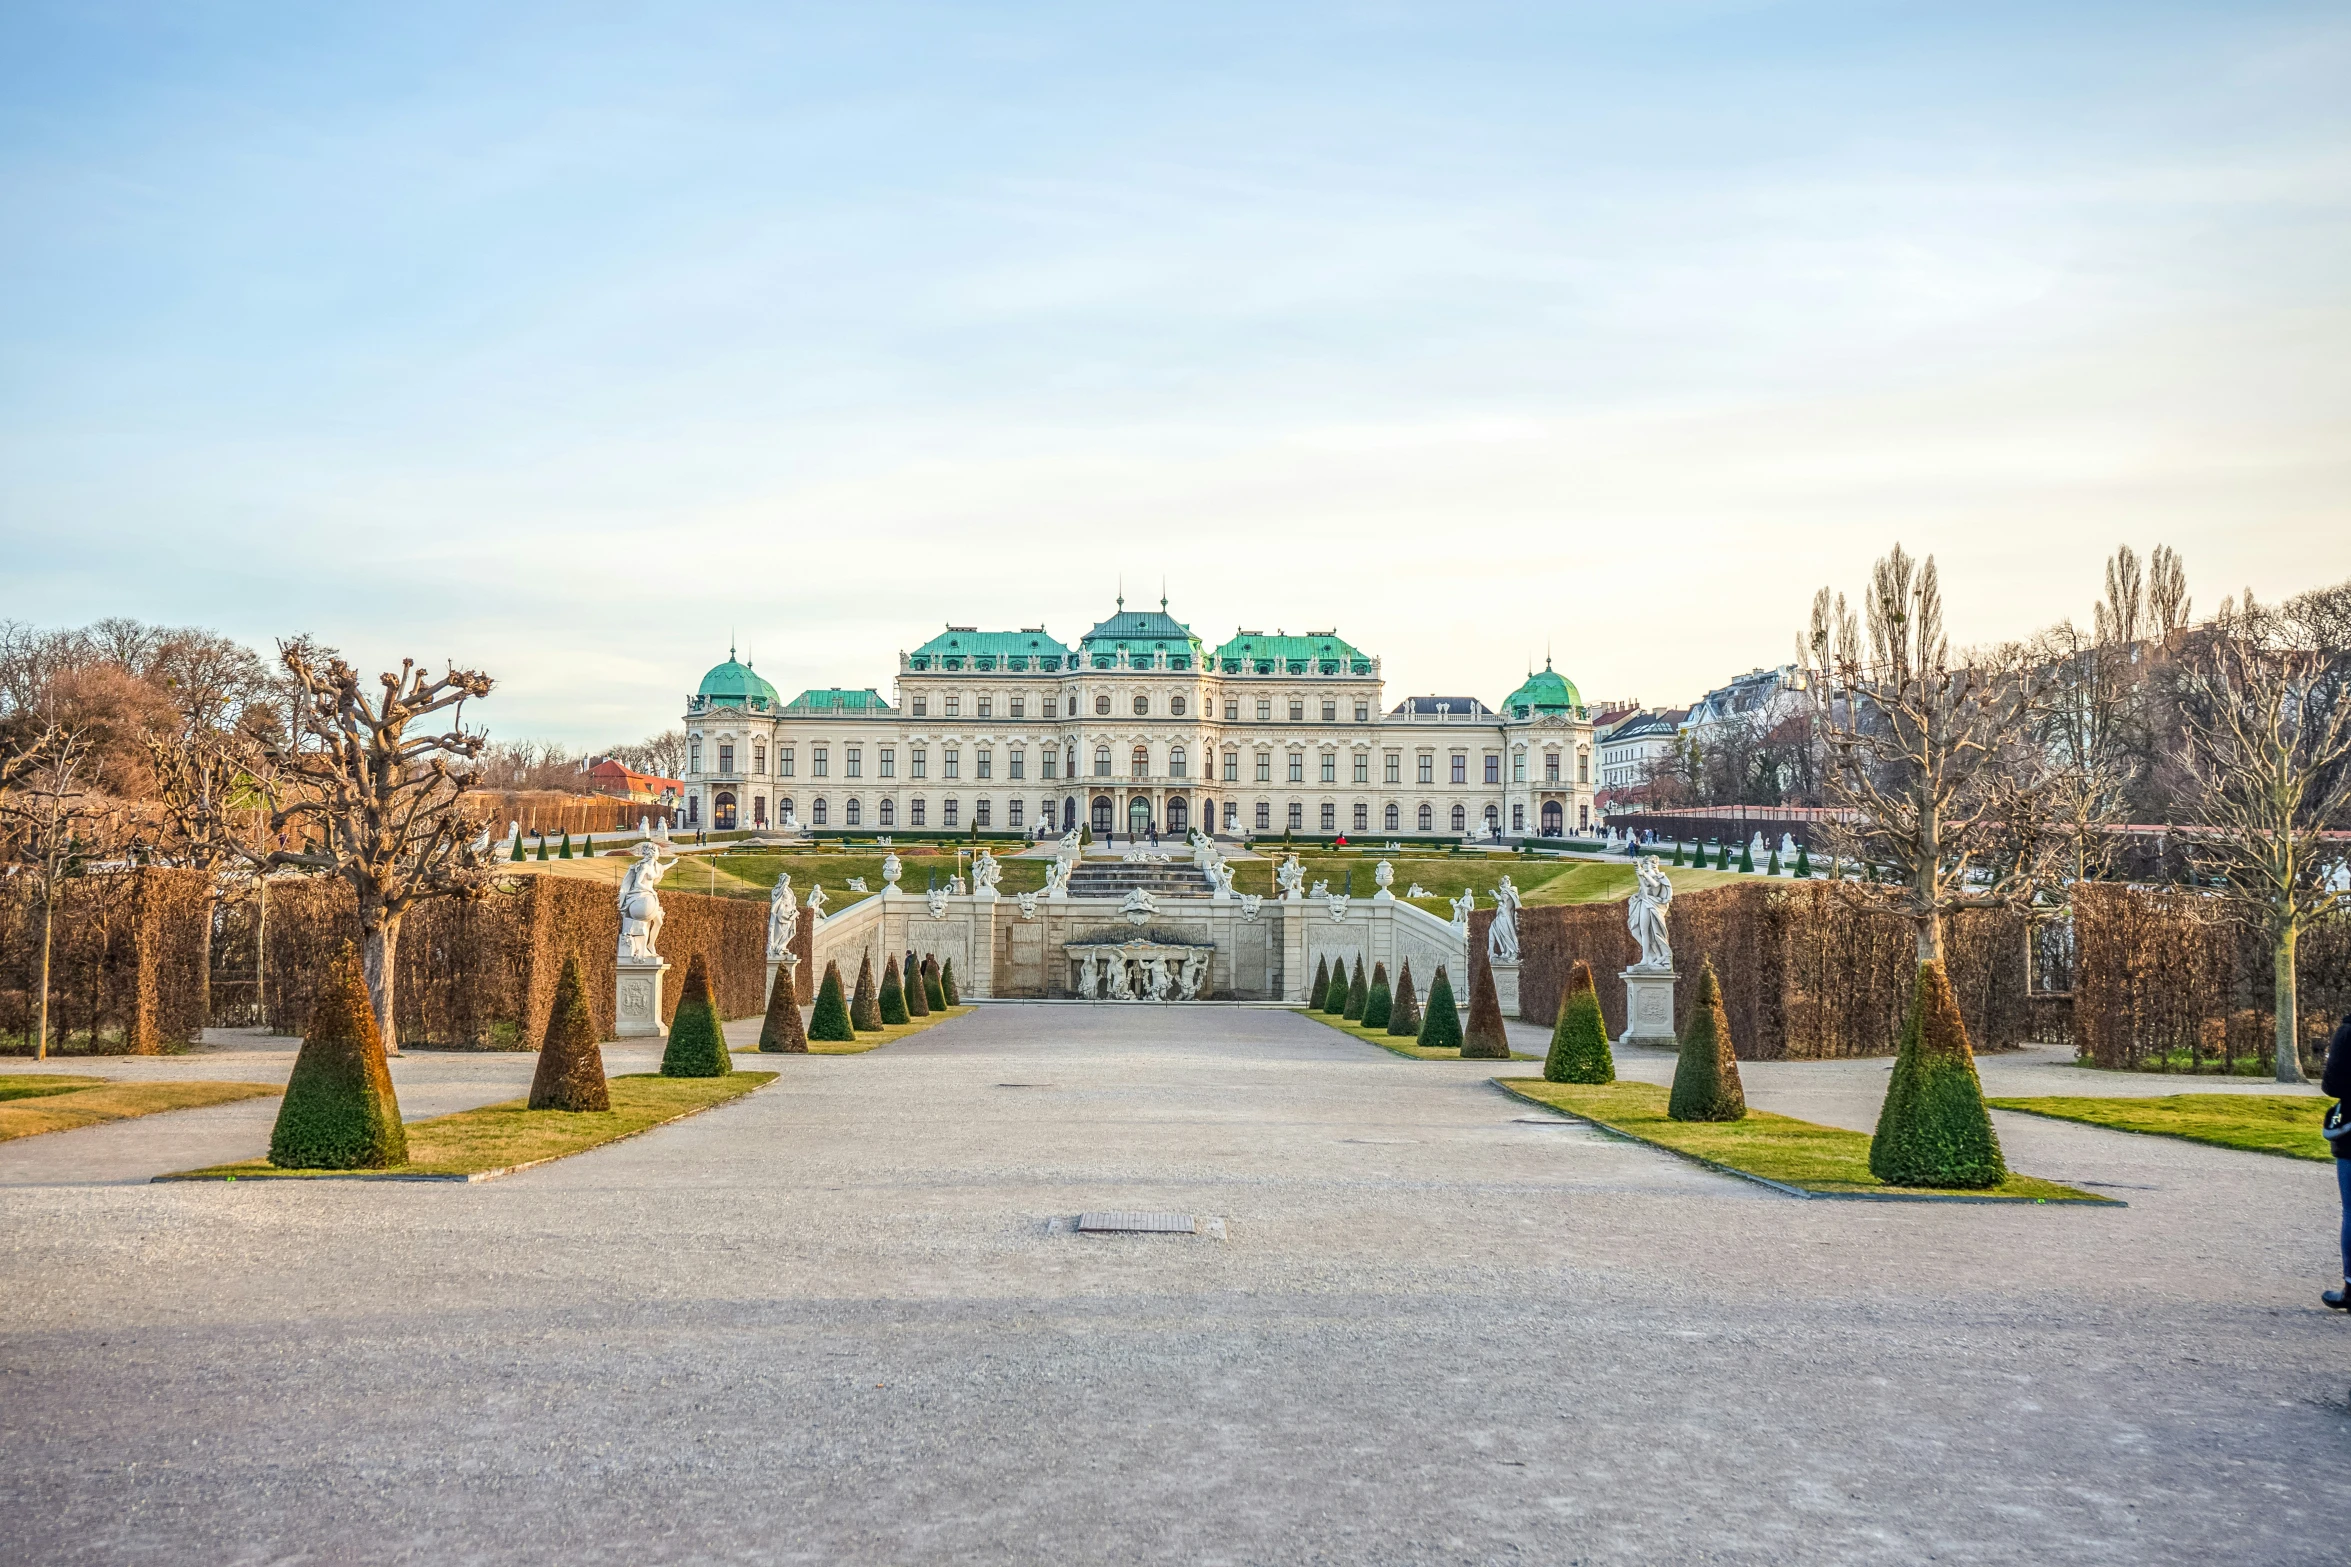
41, 1007
379, 949
2289, 1048
1930, 939
261, 951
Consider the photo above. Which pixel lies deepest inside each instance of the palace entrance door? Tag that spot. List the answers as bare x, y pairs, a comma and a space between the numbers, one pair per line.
1138, 817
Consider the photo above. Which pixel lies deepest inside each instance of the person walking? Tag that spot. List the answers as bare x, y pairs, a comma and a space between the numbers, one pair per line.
2336, 1083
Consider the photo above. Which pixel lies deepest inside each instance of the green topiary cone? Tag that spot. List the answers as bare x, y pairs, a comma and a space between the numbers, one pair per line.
542, 848
1404, 1016
1579, 1039
947, 990
1322, 983
892, 1004
829, 1021
1485, 1038
932, 990
339, 1112
588, 848
865, 1012
1706, 1083
1378, 1004
1747, 858
1357, 994
1804, 861
1334, 1000
564, 853
782, 1032
518, 854
571, 1065
1773, 869
697, 1046
918, 1004
1677, 853
1934, 1129
1440, 1028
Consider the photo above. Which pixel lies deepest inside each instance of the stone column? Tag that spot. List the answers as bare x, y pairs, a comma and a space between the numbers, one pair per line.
982, 943
636, 1007
1648, 1009
1506, 986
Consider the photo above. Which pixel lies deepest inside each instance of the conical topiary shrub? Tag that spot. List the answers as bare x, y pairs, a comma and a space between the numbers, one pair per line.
1334, 1000
542, 848
1677, 853
1485, 1038
932, 991
1378, 1004
1747, 858
917, 1003
829, 1019
1404, 1015
892, 1002
1934, 1129
782, 1032
588, 847
339, 1112
571, 1065
1579, 1040
564, 853
947, 990
1706, 1083
697, 1046
1357, 994
1440, 1028
1804, 861
1322, 983
1773, 869
518, 854
1722, 857
865, 1012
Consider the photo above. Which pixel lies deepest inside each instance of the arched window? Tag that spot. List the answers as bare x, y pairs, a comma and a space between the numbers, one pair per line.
1460, 819
1427, 821
852, 814
1102, 809
889, 813
1175, 762
816, 812
1102, 707
1142, 706
1392, 818
722, 810
1102, 760
1493, 818
784, 809
1140, 764
1175, 705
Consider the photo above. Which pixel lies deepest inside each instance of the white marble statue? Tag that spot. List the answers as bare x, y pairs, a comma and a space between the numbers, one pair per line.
1787, 848
1645, 914
791, 821
1416, 890
955, 886
1139, 907
480, 847
1757, 851
1223, 873
892, 869
1028, 904
1321, 889
782, 919
816, 901
936, 901
1069, 846
1057, 878
1338, 903
1502, 935
1383, 875
1251, 902
640, 904
644, 828
1087, 983
1463, 906
1287, 876
985, 872
883, 842
1119, 990
1154, 979
857, 884
1195, 970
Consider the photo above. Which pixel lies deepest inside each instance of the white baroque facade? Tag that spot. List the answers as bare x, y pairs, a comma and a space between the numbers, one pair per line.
1138, 728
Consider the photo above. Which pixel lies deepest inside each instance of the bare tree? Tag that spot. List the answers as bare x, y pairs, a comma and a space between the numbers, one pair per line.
663, 755
385, 802
2167, 593
1929, 751
2267, 722
54, 820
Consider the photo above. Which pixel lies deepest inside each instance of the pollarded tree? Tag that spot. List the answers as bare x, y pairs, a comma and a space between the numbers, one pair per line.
1404, 1016
2267, 721
377, 804
1440, 1028
54, 821
570, 1075
1579, 1039
865, 1012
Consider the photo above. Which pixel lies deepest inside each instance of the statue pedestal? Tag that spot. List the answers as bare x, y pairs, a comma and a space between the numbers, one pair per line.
1506, 985
636, 1007
1648, 1009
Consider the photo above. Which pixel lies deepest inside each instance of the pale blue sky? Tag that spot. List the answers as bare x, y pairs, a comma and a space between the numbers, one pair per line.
566, 343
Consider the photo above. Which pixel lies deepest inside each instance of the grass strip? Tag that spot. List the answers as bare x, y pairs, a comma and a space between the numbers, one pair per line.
889, 1034
2282, 1124
90, 1101
40, 1085
1397, 1044
502, 1138
1801, 1157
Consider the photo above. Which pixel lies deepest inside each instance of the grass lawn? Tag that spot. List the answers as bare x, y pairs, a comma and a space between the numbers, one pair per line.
1539, 881
496, 1139
41, 1102
890, 1034
1399, 1043
747, 873
1826, 1161
2257, 1123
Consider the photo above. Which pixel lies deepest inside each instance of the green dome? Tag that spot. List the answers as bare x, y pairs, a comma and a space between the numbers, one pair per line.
736, 684
1546, 692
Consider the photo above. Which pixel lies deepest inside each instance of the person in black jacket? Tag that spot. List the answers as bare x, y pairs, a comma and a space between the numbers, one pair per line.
2336, 1083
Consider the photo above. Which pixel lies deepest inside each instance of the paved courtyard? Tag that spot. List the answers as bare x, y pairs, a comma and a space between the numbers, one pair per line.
836, 1322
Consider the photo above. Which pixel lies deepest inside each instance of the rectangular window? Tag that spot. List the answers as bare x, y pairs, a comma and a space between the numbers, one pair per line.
1493, 768
953, 703
1019, 760
1330, 712
1363, 712
1363, 767
987, 708
1428, 768
1020, 707
1394, 772
987, 761
979, 813
1460, 768
889, 760
1232, 767
1297, 816
1051, 707
951, 763
1518, 767
917, 814
1297, 712
1052, 763
1265, 712
947, 812
1583, 767
919, 762
694, 757
1012, 808
1330, 817
1550, 767
1265, 767
1518, 818
1297, 767
821, 762
1264, 817
784, 762
1363, 818
1232, 712
758, 757
853, 760
1330, 767
921, 706
726, 757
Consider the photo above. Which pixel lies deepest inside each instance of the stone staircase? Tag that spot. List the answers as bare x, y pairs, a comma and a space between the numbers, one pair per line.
1114, 879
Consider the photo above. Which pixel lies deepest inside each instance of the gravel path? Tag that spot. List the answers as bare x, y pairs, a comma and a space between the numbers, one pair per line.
834, 1322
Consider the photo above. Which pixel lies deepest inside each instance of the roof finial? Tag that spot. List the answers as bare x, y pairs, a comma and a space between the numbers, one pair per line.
1163, 593
1122, 592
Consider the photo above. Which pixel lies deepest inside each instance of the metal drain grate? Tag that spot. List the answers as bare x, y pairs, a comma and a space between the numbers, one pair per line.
1135, 1224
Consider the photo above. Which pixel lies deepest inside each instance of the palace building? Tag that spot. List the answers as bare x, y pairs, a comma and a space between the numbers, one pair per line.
1138, 728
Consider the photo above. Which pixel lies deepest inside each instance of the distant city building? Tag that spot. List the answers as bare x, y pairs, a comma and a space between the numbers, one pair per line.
1763, 697
1632, 747
1140, 727
606, 776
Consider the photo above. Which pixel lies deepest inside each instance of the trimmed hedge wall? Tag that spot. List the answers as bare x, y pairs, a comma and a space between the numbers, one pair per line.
127, 961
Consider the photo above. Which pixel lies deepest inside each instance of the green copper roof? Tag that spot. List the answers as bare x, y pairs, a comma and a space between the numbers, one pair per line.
1317, 653
1142, 634
1543, 692
965, 647
838, 699
736, 684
